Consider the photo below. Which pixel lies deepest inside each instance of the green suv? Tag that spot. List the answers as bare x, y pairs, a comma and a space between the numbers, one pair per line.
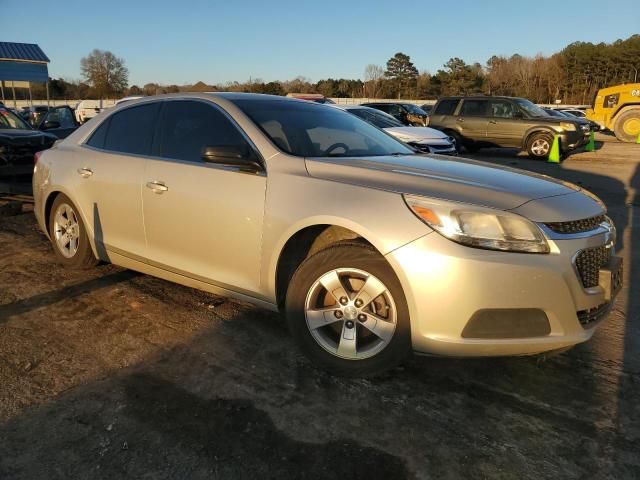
482, 121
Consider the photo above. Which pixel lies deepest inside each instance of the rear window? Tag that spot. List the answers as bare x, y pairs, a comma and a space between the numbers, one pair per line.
131, 130
474, 108
446, 107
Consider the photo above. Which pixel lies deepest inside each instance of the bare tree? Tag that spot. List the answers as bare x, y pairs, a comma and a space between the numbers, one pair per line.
372, 76
105, 73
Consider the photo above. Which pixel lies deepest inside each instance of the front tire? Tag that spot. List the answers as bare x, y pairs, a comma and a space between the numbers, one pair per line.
539, 145
69, 236
346, 310
627, 126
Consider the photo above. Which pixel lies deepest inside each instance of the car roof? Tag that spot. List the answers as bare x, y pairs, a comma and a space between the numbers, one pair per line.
479, 97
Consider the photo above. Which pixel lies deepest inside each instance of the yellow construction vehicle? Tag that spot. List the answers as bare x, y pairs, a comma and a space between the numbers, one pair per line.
618, 109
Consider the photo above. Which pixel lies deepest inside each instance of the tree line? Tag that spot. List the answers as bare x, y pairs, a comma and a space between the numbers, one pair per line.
572, 76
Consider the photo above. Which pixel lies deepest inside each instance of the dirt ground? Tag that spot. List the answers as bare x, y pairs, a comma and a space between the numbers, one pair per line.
113, 374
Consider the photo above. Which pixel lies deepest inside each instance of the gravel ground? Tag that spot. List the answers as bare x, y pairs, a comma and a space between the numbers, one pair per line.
113, 374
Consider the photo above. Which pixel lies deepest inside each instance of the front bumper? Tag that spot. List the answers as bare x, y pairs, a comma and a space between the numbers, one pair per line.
573, 140
447, 285
439, 148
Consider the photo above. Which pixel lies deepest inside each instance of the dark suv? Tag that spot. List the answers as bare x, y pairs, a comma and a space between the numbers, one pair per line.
407, 113
477, 122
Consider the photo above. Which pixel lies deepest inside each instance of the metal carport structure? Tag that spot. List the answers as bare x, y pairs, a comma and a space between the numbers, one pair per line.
22, 62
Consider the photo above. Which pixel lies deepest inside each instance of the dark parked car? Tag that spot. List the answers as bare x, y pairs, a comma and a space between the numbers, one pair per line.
595, 126
477, 122
18, 144
406, 113
427, 107
60, 121
33, 115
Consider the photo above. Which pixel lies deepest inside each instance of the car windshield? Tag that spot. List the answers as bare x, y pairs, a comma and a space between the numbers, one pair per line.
308, 129
411, 108
531, 108
376, 117
9, 120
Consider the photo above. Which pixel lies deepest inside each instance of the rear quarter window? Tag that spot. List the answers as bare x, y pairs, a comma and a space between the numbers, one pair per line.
99, 134
131, 130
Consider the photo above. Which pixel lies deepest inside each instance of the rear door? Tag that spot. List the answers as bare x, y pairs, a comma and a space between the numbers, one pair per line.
472, 119
506, 125
202, 220
110, 176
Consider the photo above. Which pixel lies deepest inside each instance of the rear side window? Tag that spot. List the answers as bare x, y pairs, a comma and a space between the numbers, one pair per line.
446, 107
97, 138
474, 108
131, 131
186, 127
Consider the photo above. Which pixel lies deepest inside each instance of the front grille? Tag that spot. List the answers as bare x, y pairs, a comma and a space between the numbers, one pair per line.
588, 318
576, 226
589, 262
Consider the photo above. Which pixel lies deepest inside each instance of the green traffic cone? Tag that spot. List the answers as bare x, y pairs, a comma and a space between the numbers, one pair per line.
591, 146
554, 153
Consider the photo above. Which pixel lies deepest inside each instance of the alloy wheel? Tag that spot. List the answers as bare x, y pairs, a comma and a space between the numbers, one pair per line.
540, 147
66, 230
350, 313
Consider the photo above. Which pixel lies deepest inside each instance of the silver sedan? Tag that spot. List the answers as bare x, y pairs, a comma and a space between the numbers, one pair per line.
370, 250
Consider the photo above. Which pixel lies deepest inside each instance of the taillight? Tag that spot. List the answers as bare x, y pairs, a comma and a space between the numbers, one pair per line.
36, 156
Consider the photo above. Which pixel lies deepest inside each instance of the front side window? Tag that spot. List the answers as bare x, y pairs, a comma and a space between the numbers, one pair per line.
61, 115
312, 130
131, 130
474, 108
501, 109
186, 127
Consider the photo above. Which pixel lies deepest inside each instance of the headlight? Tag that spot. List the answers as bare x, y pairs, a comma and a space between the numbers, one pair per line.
479, 227
571, 127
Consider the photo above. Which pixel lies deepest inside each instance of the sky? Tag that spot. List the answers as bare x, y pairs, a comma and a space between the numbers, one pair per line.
182, 42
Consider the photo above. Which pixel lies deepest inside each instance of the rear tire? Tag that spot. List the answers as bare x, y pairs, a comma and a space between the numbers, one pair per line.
364, 338
627, 126
539, 145
458, 138
69, 236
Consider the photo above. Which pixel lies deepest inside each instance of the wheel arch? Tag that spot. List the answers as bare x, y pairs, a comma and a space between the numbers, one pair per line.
627, 106
47, 206
534, 131
305, 242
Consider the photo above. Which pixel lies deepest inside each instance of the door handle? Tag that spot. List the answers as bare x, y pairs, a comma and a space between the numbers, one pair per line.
460, 120
157, 187
85, 172
493, 122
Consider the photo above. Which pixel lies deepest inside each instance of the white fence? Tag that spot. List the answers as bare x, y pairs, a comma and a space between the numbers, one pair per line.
358, 101
54, 103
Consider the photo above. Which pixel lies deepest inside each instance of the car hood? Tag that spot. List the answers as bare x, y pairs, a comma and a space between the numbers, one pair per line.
416, 134
460, 180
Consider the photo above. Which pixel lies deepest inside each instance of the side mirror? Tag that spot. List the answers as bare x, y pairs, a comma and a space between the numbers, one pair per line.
232, 156
49, 125
518, 114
